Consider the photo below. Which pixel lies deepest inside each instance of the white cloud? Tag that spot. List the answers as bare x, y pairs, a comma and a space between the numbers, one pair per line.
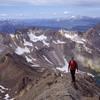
65, 12
54, 13
50, 2
19, 15
87, 2
31, 2
3, 15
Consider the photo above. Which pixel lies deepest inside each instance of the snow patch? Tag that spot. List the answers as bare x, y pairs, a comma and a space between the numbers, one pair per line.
89, 74
17, 36
47, 59
12, 35
55, 42
41, 38
21, 51
69, 36
87, 49
26, 43
84, 40
64, 68
3, 88
59, 42
35, 65
10, 45
35, 38
46, 43
75, 38
2, 91
36, 47
32, 58
7, 97
28, 59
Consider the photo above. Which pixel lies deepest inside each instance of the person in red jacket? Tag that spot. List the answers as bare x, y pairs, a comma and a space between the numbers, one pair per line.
72, 67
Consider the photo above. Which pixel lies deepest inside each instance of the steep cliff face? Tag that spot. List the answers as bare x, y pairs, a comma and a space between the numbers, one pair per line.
15, 74
93, 36
93, 39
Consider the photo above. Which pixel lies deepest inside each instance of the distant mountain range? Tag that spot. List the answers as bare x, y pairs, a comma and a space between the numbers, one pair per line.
75, 23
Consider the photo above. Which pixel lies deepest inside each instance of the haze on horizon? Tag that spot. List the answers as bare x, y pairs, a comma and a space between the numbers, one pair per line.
48, 8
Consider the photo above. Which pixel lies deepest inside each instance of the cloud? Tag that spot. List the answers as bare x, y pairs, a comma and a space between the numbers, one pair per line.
14, 2
54, 13
88, 3
20, 15
30, 2
51, 2
65, 12
3, 15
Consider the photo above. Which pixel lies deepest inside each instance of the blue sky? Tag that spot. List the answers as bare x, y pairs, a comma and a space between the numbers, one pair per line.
48, 8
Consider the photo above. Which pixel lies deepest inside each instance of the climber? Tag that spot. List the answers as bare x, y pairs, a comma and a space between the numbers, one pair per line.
72, 67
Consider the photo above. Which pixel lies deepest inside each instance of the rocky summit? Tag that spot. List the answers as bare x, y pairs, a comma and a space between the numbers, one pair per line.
34, 65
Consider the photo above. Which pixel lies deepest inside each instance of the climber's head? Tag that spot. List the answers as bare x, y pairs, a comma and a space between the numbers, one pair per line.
72, 58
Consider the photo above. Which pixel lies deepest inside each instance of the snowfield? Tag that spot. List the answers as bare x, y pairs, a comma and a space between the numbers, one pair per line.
21, 51
26, 43
12, 35
28, 59
35, 38
72, 36
47, 59
65, 67
75, 38
59, 42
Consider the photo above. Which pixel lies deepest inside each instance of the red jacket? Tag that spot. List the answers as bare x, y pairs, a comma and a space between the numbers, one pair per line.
73, 65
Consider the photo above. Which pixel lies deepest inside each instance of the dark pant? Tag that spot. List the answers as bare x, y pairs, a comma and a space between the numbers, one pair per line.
73, 75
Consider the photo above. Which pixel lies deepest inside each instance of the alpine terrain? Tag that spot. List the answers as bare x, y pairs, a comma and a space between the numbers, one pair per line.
34, 64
